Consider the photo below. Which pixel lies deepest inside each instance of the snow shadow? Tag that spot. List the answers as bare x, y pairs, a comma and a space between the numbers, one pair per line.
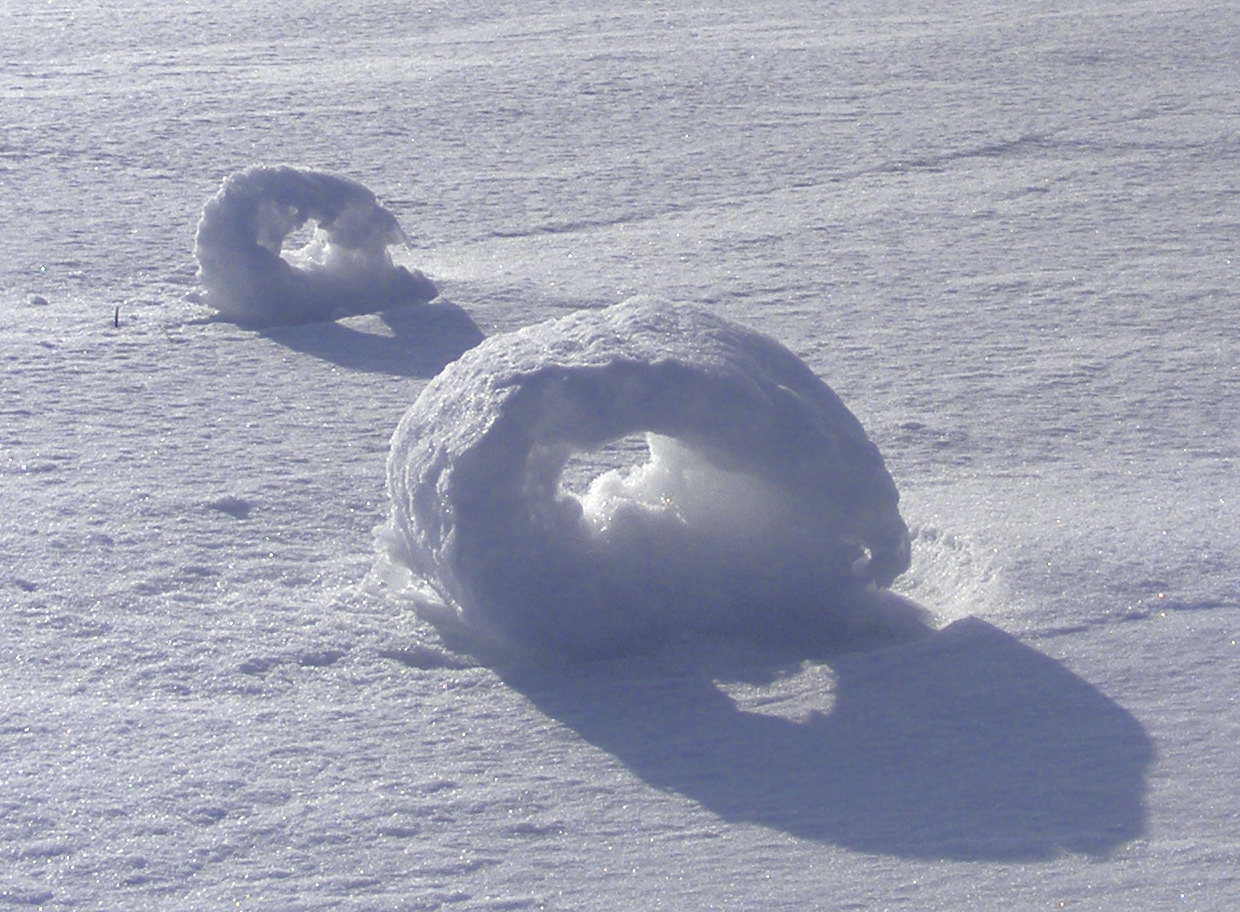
968, 745
412, 341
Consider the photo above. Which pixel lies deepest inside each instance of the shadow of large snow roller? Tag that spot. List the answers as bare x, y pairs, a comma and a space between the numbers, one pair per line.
967, 745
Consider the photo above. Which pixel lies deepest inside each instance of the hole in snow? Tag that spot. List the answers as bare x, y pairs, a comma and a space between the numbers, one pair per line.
654, 478
299, 244
622, 455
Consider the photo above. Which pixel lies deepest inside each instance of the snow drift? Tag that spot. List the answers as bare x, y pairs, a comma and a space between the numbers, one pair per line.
761, 505
344, 269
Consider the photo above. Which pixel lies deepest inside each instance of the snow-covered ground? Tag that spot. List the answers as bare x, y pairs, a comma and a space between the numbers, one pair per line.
1003, 233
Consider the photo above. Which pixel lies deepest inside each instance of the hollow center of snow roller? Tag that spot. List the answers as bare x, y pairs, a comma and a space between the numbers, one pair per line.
345, 247
296, 243
583, 467
645, 485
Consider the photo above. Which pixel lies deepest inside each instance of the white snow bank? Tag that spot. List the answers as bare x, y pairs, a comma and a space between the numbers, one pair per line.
344, 269
762, 504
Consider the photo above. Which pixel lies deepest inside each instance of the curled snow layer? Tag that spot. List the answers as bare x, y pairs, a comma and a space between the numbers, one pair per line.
761, 501
344, 269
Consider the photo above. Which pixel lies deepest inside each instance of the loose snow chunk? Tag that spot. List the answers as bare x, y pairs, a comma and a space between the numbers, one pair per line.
762, 502
344, 269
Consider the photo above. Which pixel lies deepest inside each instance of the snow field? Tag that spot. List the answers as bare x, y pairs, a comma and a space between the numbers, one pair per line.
1004, 237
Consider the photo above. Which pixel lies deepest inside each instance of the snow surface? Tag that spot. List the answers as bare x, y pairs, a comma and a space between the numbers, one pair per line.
762, 504
1003, 233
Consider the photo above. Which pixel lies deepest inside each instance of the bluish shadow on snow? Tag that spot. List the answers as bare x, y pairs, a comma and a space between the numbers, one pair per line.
966, 745
414, 341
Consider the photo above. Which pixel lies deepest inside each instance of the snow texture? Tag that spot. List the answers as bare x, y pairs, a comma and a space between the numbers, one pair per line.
344, 269
762, 498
